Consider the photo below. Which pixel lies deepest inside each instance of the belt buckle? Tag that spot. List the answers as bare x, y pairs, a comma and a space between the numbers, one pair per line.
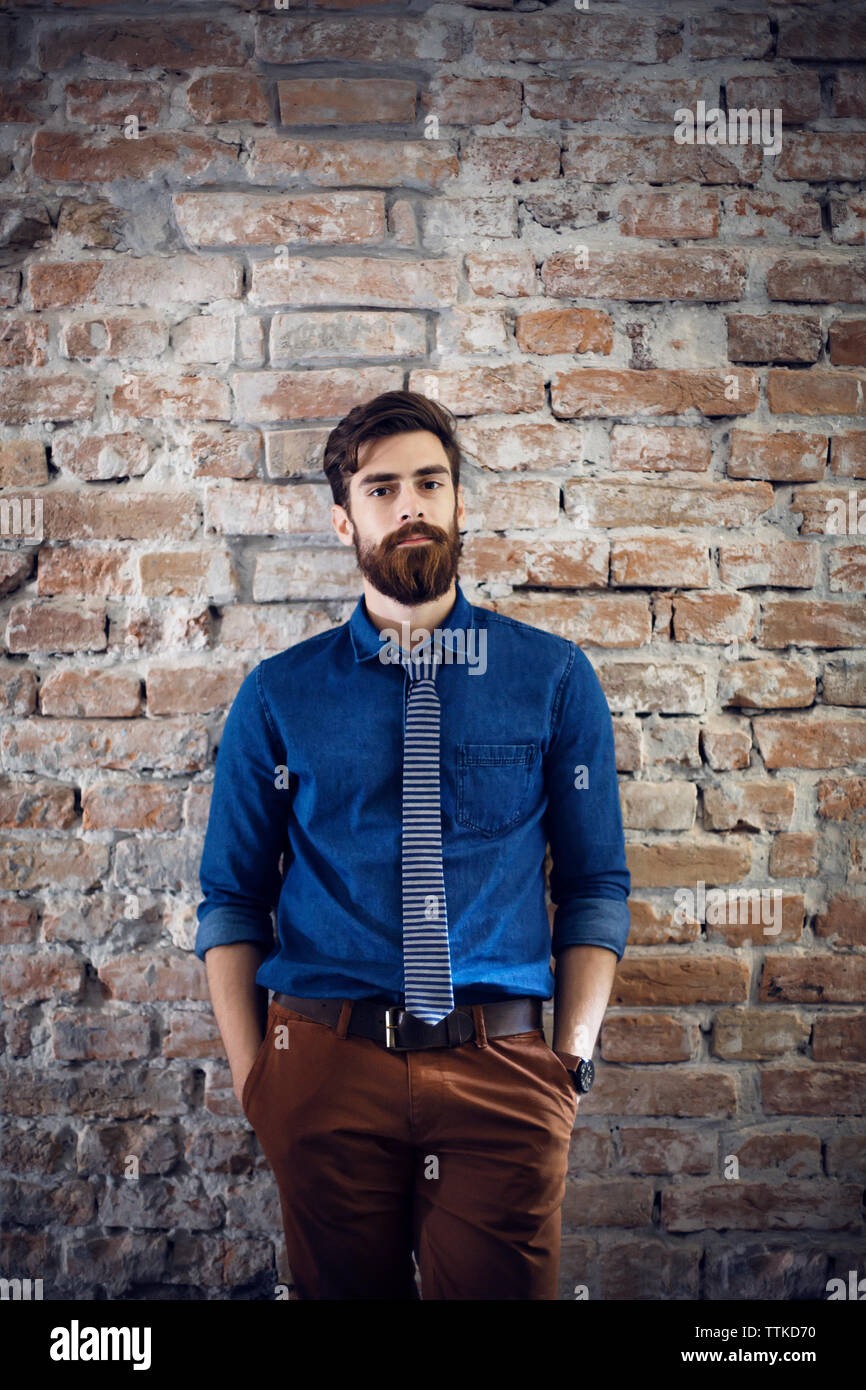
392, 1027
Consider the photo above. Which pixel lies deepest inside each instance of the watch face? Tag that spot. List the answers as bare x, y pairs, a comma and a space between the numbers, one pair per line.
585, 1075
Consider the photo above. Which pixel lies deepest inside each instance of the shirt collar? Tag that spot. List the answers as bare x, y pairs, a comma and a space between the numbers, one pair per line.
367, 639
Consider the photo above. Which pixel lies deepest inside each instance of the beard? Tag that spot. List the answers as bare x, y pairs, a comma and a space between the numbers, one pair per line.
412, 574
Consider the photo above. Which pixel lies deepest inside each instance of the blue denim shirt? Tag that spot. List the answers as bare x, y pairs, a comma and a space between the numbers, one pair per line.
310, 769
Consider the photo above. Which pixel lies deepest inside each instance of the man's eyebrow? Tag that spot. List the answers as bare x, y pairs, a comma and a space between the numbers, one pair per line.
424, 470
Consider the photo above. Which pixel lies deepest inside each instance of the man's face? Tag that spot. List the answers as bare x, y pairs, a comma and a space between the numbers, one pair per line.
404, 517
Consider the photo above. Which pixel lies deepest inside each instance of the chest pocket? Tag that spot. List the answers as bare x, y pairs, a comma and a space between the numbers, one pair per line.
493, 782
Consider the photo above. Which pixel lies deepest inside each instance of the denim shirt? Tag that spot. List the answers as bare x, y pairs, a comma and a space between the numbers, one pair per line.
310, 769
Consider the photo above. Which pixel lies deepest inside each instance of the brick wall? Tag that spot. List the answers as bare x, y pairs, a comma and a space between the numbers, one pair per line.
223, 226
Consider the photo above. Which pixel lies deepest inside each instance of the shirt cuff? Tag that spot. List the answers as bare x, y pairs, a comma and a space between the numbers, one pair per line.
224, 925
592, 922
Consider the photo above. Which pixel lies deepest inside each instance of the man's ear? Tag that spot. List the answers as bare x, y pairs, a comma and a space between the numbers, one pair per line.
342, 524
461, 505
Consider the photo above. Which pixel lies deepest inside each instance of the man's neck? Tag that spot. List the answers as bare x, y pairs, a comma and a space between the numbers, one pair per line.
413, 625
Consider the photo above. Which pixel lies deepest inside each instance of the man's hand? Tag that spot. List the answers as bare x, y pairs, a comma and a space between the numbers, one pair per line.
239, 1004
241, 1070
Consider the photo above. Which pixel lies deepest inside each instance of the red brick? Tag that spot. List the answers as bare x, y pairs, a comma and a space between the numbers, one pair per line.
478, 390
145, 977
605, 391
192, 689
812, 1090
660, 979
94, 693
304, 38
787, 564
361, 280
810, 743
848, 342
766, 684
748, 213
740, 1206
848, 96
685, 448
669, 1092
848, 455
670, 863
267, 219
667, 687
564, 330
681, 273
175, 44
657, 159
843, 921
537, 37
712, 617
812, 623
143, 806
842, 798
605, 619
506, 273
648, 1038
100, 101
591, 503
798, 94
49, 746
827, 34
816, 392
807, 278
848, 219
27, 397
471, 101
822, 156
34, 806
749, 806
750, 1035
164, 396
135, 280
679, 213
55, 627
593, 97
509, 159
24, 343
331, 101
282, 160
228, 96
22, 463
51, 975
820, 979
79, 1036
774, 338
794, 855
86, 571
70, 157
680, 561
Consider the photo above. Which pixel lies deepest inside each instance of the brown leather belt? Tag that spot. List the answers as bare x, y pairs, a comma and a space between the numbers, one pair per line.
399, 1031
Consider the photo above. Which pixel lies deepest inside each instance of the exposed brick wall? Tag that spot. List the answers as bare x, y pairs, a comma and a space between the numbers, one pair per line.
657, 351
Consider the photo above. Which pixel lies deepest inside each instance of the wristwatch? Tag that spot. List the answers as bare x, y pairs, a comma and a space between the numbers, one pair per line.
580, 1069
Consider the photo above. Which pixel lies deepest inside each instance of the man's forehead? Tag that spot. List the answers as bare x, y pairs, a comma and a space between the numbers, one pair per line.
406, 449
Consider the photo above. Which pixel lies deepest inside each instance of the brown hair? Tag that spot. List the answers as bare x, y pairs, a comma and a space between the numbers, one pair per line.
393, 412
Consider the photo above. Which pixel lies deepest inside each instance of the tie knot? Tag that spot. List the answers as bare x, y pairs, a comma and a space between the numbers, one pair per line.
424, 665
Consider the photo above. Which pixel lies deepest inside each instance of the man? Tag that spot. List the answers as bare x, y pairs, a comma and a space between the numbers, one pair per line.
411, 767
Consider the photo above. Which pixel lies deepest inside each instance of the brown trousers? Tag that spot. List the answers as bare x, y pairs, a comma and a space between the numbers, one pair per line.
456, 1153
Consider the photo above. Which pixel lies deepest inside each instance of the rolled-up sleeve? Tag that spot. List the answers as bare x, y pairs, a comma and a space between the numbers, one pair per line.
246, 832
589, 881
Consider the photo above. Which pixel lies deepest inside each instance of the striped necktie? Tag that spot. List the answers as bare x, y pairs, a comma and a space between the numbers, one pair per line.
426, 957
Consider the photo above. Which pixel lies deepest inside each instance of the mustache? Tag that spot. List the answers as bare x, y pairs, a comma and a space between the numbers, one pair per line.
417, 528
